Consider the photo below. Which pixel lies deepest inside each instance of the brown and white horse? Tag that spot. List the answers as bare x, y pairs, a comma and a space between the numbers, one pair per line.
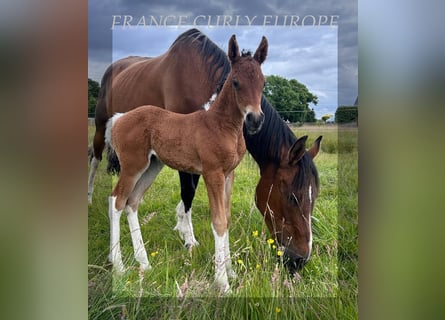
210, 143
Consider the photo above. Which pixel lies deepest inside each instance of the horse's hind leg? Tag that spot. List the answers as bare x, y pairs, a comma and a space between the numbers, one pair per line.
98, 147
94, 164
115, 247
184, 225
116, 204
133, 202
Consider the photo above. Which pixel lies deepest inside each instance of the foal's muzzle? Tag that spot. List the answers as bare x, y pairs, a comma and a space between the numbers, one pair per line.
254, 122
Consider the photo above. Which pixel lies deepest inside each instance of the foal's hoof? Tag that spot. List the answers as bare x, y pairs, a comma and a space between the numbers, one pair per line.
118, 270
144, 267
223, 289
189, 246
231, 274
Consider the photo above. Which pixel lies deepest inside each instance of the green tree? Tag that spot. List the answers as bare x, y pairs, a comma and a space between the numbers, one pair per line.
346, 114
93, 93
290, 98
326, 117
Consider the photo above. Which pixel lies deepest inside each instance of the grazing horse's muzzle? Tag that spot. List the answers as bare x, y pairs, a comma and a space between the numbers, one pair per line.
293, 261
254, 122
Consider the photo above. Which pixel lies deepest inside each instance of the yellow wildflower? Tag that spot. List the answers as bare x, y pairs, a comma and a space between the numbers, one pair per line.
274, 247
270, 241
277, 309
255, 233
258, 266
154, 253
279, 253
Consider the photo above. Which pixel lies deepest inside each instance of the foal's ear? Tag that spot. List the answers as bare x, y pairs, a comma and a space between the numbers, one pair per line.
313, 151
297, 151
233, 51
261, 53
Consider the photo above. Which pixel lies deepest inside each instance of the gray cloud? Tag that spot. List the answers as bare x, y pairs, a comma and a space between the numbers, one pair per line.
305, 54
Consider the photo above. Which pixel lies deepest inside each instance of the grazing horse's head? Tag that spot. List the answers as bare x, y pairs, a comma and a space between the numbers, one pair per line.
248, 82
286, 199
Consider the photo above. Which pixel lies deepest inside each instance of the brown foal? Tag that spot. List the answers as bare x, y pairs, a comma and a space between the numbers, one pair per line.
209, 142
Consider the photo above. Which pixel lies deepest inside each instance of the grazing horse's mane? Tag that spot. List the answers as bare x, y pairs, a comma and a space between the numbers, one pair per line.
266, 146
215, 57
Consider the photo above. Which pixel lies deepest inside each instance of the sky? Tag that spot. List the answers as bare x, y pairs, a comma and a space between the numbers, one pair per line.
324, 58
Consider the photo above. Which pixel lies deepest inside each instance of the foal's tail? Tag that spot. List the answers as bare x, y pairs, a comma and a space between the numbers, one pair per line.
113, 166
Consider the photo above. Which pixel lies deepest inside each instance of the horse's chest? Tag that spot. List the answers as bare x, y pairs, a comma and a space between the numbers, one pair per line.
235, 155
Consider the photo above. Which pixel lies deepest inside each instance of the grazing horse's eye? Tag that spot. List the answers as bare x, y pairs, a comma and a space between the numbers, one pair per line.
235, 84
294, 200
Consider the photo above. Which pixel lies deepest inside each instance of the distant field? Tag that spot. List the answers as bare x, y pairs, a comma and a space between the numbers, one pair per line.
180, 284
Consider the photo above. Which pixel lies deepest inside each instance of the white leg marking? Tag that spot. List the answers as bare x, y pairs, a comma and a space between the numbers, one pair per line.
221, 279
230, 272
184, 226
115, 247
93, 168
138, 243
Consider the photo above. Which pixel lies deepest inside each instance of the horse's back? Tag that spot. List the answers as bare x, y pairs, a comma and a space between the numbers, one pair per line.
135, 83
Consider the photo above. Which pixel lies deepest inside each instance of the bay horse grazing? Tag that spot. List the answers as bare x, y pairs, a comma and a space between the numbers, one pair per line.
288, 186
209, 142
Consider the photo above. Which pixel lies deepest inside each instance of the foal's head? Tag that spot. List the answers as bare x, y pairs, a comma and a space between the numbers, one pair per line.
248, 82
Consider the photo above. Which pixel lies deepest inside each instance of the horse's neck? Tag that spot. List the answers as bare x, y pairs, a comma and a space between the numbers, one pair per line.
272, 142
225, 107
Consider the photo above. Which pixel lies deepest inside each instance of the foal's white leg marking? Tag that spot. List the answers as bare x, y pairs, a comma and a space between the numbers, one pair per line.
115, 247
221, 279
93, 168
184, 226
138, 244
230, 272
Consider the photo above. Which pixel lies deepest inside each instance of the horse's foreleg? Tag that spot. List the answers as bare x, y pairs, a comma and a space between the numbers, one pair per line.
189, 183
227, 195
215, 184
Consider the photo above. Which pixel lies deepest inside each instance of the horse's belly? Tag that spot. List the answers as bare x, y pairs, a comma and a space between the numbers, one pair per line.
177, 157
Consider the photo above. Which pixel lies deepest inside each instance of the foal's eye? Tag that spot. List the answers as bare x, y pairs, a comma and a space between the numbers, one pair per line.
235, 84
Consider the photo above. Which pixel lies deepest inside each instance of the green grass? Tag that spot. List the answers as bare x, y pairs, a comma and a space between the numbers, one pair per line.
180, 284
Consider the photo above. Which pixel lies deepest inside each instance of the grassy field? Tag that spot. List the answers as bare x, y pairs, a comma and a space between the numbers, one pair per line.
180, 284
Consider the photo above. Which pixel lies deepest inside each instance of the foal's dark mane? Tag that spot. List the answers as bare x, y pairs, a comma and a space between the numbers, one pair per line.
214, 57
